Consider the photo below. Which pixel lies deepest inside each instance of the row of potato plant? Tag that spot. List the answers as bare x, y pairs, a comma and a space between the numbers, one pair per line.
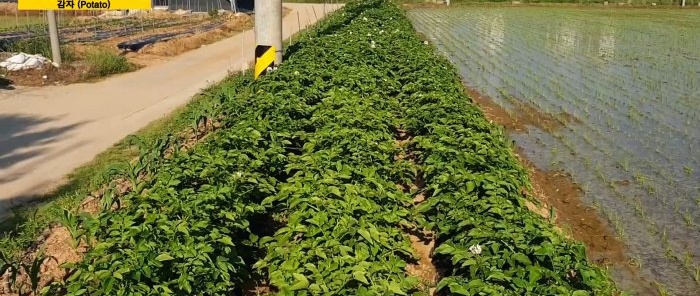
188, 225
192, 220
343, 206
300, 185
458, 149
487, 239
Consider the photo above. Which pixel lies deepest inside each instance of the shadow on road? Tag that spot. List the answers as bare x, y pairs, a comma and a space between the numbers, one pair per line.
6, 84
22, 138
9, 219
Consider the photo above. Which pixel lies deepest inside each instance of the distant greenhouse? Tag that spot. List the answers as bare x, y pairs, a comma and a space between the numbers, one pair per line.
206, 5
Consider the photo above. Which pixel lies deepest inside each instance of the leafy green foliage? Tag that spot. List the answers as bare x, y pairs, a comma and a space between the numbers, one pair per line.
104, 63
475, 189
300, 185
14, 270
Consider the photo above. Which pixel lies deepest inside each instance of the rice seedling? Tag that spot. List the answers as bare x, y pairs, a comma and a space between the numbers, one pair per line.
661, 288
688, 170
688, 218
626, 164
651, 189
636, 261
664, 237
687, 260
639, 208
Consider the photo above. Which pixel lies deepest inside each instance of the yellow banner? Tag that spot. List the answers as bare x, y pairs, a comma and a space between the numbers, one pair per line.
83, 4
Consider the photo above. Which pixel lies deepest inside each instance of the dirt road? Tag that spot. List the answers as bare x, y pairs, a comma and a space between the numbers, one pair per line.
47, 132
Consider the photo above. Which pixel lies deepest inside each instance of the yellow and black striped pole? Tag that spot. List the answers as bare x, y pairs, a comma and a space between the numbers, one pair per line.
264, 59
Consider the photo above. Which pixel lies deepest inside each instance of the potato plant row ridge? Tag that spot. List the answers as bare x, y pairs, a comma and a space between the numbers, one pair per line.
300, 190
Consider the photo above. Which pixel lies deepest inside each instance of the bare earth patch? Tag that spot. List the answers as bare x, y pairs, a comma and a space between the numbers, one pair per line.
523, 116
424, 268
422, 241
56, 245
232, 26
48, 75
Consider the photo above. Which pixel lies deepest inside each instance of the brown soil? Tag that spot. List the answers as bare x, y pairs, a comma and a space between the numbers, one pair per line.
177, 46
623, 182
423, 268
256, 288
523, 116
66, 74
424, 244
422, 241
57, 248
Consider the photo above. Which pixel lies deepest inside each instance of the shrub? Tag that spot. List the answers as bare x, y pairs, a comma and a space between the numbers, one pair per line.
104, 63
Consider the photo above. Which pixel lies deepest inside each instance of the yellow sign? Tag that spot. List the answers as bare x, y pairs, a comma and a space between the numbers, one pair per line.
264, 59
83, 4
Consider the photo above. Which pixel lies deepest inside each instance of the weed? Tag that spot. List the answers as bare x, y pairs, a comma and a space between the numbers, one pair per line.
626, 164
636, 262
688, 218
42, 46
103, 63
639, 207
688, 170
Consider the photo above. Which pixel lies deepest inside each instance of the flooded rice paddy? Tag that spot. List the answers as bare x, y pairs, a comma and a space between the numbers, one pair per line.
623, 86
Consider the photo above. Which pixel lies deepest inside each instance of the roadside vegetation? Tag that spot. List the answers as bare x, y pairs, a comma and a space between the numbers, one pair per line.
102, 63
313, 179
78, 65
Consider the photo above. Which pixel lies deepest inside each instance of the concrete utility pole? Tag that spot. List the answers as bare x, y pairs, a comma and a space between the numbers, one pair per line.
53, 37
268, 25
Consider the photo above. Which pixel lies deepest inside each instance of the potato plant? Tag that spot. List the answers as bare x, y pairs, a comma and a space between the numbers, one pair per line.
300, 187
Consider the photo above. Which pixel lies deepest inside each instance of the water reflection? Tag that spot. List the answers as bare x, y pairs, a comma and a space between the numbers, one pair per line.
497, 34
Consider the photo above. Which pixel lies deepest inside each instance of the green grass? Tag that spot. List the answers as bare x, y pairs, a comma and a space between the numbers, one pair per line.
31, 220
103, 63
34, 20
9, 22
42, 46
